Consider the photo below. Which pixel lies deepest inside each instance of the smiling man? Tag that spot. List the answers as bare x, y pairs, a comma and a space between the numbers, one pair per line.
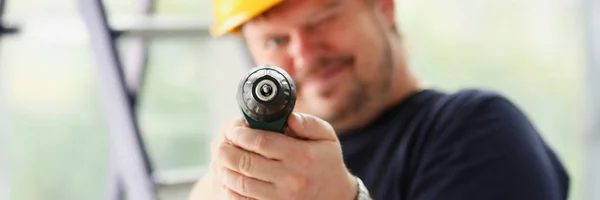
369, 128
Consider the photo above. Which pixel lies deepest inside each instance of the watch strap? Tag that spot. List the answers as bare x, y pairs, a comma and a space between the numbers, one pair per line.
363, 192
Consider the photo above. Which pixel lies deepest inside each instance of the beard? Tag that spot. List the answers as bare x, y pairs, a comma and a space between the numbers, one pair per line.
362, 98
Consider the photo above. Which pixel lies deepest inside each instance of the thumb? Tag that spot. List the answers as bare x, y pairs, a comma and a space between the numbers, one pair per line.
310, 127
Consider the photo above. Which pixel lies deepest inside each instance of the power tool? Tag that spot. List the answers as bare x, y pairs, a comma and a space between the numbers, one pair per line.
267, 96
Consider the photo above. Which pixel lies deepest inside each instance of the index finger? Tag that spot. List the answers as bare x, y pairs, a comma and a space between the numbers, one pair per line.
225, 127
220, 138
271, 145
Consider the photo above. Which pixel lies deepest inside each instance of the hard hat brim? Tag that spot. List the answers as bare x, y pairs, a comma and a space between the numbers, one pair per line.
233, 23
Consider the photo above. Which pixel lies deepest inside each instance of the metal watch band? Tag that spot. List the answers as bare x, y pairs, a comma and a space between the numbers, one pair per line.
363, 192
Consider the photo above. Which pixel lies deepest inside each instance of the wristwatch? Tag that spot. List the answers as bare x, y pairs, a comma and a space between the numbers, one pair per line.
363, 192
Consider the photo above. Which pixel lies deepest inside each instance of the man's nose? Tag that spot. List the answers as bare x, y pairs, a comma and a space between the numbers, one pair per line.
304, 50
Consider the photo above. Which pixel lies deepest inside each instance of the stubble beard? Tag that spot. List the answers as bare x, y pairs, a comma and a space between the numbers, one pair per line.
364, 102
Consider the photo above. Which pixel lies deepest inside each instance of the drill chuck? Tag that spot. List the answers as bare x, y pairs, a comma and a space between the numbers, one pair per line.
267, 96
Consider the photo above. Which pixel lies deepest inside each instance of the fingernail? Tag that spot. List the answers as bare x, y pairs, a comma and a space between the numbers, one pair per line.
300, 119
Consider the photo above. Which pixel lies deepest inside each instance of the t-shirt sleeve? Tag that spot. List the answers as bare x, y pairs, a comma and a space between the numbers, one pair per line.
488, 150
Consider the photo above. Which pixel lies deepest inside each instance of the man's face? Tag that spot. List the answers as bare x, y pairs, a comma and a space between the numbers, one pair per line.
337, 52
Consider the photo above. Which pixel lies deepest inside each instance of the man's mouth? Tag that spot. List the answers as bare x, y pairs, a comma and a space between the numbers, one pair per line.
327, 77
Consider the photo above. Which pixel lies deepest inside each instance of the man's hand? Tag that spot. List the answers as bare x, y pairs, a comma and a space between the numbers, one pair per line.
254, 164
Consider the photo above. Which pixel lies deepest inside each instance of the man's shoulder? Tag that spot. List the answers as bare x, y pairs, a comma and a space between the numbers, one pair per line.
482, 134
472, 99
468, 143
471, 117
439, 109
466, 104
467, 110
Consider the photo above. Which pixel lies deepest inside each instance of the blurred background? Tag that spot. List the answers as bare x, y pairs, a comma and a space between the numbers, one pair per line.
55, 139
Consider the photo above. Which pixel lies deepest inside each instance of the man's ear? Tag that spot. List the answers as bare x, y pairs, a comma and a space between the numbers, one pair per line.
388, 10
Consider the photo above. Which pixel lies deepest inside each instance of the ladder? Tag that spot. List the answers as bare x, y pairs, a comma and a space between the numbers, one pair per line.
131, 172
5, 28
5, 130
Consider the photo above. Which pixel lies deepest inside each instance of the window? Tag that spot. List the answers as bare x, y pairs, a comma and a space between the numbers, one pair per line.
531, 51
58, 141
60, 134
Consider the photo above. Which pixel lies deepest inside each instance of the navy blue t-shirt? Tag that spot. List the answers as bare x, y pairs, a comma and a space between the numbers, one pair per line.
468, 145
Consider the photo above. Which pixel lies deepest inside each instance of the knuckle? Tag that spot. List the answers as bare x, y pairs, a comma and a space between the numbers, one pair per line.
223, 155
226, 127
236, 132
305, 159
261, 141
221, 148
245, 164
297, 182
242, 184
231, 195
236, 129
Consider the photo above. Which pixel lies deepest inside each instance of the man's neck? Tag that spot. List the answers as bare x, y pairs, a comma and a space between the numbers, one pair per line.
404, 82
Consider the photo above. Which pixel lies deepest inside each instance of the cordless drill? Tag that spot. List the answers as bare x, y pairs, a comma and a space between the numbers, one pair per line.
267, 96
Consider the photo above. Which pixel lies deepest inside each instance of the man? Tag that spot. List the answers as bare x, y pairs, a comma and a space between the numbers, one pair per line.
363, 119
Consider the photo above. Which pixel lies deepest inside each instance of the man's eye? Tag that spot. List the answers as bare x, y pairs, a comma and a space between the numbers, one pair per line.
277, 41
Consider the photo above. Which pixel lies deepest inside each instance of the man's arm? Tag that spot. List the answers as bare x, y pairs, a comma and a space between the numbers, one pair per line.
493, 152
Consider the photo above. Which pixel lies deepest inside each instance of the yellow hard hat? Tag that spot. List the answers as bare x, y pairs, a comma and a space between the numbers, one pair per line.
229, 15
